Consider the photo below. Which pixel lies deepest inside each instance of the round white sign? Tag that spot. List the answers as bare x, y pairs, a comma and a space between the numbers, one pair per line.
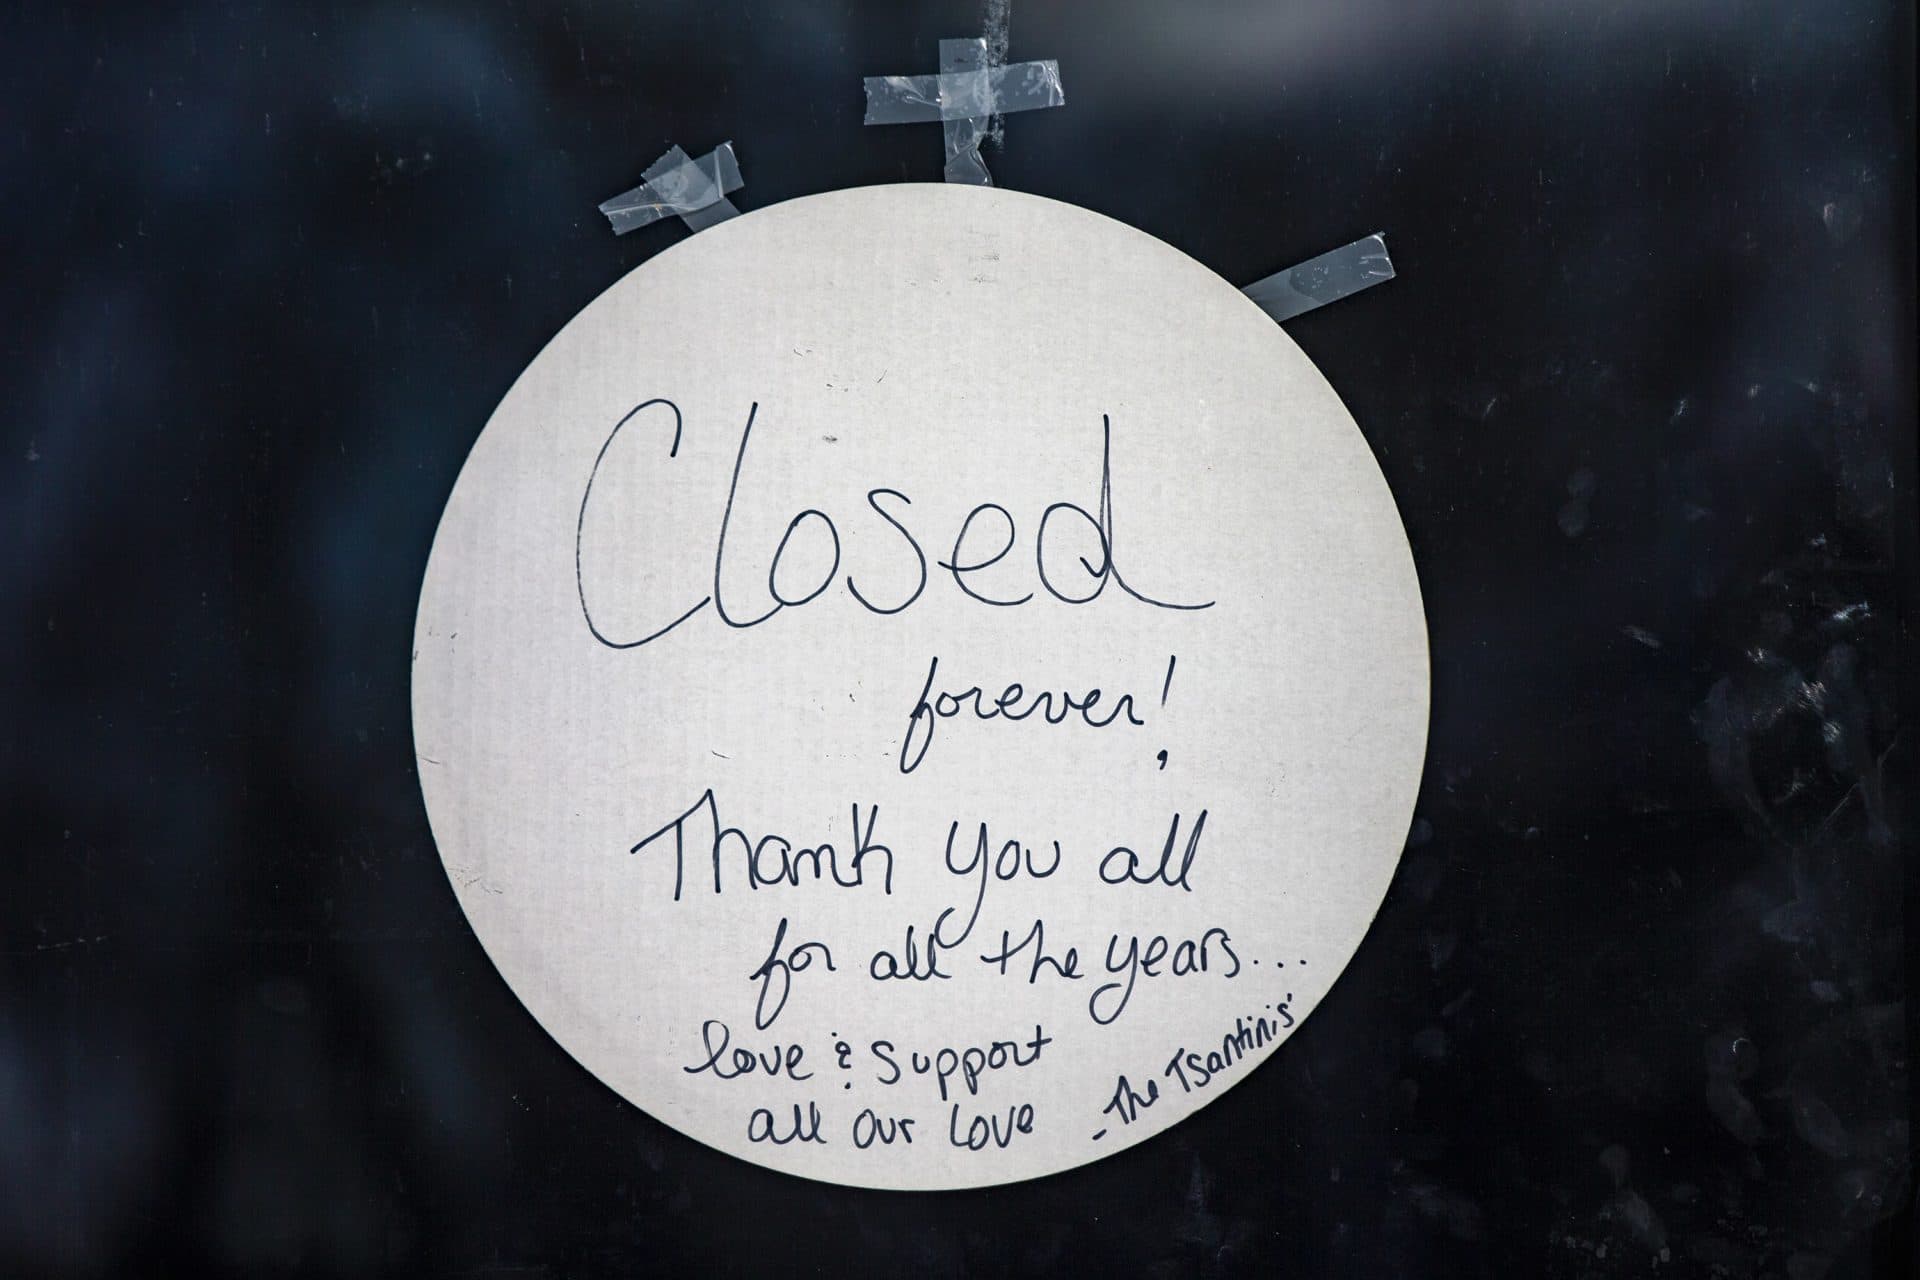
920, 686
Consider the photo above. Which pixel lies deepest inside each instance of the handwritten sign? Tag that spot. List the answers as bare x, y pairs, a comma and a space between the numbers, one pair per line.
920, 687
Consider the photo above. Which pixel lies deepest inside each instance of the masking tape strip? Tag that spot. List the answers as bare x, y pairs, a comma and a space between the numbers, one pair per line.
964, 163
961, 95
1327, 278
676, 184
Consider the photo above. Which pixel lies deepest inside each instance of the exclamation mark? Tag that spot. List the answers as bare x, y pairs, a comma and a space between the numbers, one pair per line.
1165, 685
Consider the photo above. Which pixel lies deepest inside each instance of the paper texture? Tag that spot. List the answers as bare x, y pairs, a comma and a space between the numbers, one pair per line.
920, 686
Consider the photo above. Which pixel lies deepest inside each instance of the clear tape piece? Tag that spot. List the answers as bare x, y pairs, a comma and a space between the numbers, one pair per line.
964, 163
960, 95
697, 190
1327, 278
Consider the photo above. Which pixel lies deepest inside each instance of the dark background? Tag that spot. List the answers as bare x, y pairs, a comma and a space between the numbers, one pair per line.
1644, 390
